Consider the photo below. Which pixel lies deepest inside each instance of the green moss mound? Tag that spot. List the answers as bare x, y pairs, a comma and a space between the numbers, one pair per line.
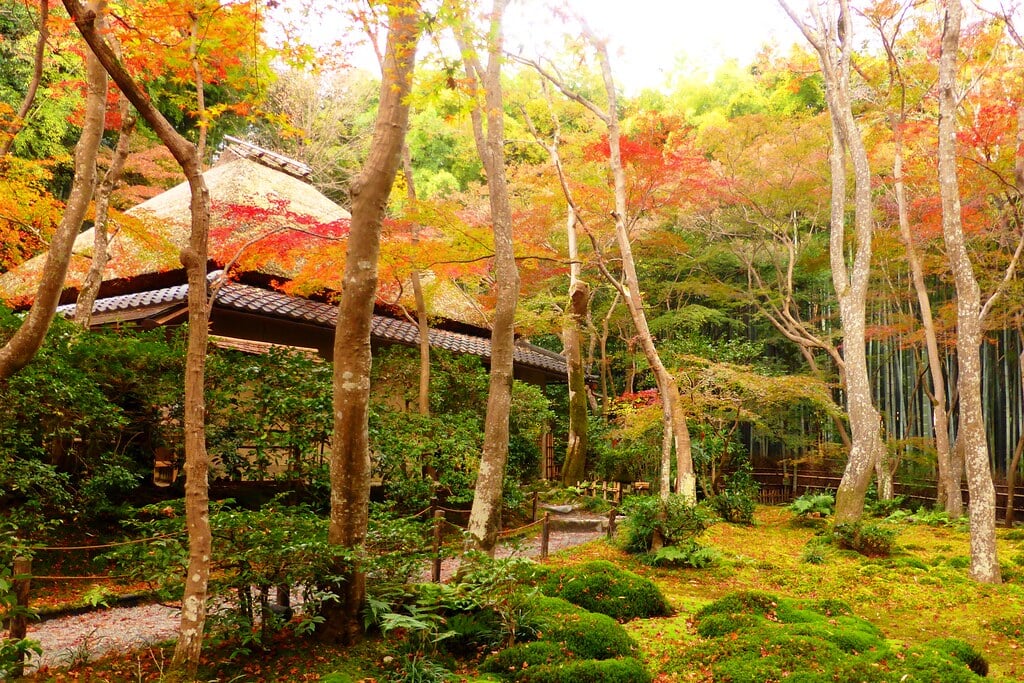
625, 670
573, 645
517, 658
602, 587
591, 636
757, 636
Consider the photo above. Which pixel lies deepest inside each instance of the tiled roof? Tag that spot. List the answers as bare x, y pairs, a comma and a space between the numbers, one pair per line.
249, 299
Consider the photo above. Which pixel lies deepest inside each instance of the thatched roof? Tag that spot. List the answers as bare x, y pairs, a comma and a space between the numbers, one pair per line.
149, 240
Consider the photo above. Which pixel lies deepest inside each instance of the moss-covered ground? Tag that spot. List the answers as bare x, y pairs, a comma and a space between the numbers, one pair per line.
920, 593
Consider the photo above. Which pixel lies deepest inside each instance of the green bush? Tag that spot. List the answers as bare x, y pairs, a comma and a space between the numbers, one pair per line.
625, 670
871, 540
591, 636
602, 587
737, 501
814, 505
676, 522
690, 554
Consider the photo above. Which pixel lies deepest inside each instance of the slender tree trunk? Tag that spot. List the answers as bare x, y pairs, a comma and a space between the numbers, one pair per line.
575, 318
422, 325
832, 38
194, 258
14, 127
197, 74
100, 256
24, 344
1018, 450
686, 482
350, 450
485, 516
971, 433
948, 492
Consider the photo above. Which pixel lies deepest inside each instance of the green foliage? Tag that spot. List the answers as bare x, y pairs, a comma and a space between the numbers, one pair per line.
872, 540
420, 457
814, 505
12, 652
255, 551
738, 499
676, 522
814, 552
267, 415
689, 554
602, 587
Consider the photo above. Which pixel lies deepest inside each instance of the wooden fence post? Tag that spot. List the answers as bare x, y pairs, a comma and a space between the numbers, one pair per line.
19, 618
611, 523
435, 569
545, 536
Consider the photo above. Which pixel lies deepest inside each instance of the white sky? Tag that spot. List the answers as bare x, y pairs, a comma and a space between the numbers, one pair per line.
647, 36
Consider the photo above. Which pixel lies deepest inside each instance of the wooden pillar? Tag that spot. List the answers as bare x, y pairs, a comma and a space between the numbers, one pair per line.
19, 616
545, 536
435, 569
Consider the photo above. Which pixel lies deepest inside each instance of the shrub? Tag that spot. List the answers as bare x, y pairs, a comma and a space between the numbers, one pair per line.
591, 636
690, 554
872, 540
602, 587
625, 670
814, 505
737, 501
676, 522
814, 552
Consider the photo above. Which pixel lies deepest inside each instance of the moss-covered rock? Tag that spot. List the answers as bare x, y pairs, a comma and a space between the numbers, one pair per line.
602, 587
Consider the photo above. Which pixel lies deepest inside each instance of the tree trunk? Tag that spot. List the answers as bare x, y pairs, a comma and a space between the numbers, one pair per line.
422, 325
1018, 450
576, 316
948, 495
832, 39
24, 344
971, 432
350, 450
194, 258
686, 482
485, 516
100, 256
14, 127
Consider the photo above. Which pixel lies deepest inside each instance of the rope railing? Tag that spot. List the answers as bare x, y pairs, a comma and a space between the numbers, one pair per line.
100, 546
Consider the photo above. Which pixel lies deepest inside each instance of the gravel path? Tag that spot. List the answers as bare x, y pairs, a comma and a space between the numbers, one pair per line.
76, 639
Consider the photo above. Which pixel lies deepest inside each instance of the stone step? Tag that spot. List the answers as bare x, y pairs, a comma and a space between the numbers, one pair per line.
578, 524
